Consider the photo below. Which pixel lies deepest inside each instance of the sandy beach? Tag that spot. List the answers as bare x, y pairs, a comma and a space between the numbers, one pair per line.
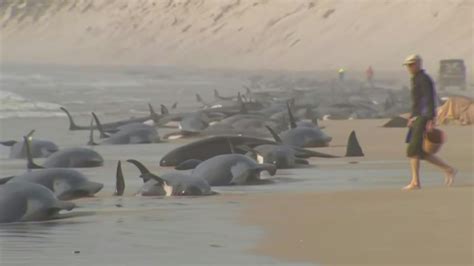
379, 227
383, 226
326, 58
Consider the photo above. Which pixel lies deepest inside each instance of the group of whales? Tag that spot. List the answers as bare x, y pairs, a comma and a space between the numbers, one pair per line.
217, 160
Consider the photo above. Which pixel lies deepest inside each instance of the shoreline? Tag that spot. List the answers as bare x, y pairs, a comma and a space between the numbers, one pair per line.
382, 227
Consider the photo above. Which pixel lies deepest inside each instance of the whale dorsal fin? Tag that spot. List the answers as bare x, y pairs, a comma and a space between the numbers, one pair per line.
119, 180
153, 115
29, 157
198, 98
353, 146
247, 90
103, 135
72, 125
30, 134
164, 110
231, 146
239, 97
290, 116
315, 121
243, 108
274, 135
145, 174
216, 95
91, 133
143, 170
4, 180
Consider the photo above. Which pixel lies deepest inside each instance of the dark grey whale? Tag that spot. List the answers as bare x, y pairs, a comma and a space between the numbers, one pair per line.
112, 126
66, 184
304, 136
66, 158
39, 148
209, 147
135, 133
25, 201
232, 169
171, 184
283, 155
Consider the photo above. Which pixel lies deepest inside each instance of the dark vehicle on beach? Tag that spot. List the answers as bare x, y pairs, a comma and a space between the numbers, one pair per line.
452, 73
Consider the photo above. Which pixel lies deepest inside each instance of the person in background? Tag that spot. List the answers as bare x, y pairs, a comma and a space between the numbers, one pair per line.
422, 118
341, 73
369, 74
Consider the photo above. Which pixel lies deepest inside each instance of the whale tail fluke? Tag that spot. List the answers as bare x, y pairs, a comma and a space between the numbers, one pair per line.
4, 180
8, 143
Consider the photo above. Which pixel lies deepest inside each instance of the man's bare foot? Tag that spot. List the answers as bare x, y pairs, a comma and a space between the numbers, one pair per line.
449, 177
411, 187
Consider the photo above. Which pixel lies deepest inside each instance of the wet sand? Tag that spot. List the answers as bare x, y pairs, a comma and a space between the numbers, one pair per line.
384, 226
432, 226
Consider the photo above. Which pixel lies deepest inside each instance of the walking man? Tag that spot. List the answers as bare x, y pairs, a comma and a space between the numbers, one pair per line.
422, 118
369, 74
341, 72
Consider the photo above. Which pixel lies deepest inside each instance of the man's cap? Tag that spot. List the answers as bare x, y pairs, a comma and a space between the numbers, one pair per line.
412, 59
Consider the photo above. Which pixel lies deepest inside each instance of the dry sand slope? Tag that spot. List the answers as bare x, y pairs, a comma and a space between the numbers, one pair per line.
276, 34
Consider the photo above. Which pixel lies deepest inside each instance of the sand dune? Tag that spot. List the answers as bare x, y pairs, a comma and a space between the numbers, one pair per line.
276, 34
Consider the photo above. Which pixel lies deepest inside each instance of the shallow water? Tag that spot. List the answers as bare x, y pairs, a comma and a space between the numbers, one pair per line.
127, 230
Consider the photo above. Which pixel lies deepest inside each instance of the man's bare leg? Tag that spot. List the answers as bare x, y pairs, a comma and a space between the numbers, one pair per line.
415, 174
449, 171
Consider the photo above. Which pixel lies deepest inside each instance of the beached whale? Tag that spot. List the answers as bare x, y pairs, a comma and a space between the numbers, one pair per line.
217, 96
232, 169
209, 147
66, 184
25, 201
39, 148
304, 136
283, 155
135, 133
66, 158
112, 126
171, 184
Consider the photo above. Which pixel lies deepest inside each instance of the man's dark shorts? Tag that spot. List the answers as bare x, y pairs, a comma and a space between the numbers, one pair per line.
415, 146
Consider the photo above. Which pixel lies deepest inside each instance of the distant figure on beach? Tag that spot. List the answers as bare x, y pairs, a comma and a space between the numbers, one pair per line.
422, 118
341, 73
369, 74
